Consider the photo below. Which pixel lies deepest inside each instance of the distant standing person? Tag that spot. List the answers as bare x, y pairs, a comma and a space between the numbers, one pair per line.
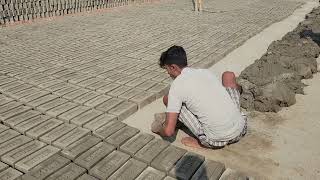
208, 108
198, 5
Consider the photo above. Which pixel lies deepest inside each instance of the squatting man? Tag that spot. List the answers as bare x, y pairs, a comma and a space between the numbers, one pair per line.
209, 108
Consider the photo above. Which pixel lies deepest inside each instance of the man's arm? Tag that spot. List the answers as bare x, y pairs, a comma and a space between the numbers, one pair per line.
169, 124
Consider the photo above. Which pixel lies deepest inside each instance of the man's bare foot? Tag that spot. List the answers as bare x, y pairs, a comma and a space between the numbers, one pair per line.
191, 142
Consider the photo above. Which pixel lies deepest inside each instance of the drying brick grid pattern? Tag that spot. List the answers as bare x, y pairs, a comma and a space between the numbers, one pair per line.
67, 84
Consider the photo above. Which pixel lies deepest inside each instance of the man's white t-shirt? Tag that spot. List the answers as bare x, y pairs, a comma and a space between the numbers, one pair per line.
203, 94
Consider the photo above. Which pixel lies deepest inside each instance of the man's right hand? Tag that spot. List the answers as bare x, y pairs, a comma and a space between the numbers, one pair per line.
158, 123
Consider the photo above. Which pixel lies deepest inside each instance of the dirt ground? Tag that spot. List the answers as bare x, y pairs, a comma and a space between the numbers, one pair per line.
279, 145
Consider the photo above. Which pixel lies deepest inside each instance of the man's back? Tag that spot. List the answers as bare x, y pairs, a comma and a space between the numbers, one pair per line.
204, 95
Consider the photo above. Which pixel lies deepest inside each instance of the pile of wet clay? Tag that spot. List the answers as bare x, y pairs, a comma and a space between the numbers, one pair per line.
272, 81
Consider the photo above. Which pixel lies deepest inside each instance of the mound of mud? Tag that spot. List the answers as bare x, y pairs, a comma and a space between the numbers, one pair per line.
272, 81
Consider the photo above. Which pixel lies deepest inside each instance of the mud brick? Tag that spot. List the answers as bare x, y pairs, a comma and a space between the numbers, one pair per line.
141, 73
13, 143
108, 74
131, 93
115, 77
30, 123
123, 68
57, 87
151, 75
6, 80
151, 150
74, 94
10, 174
69, 76
168, 158
152, 67
143, 99
43, 128
160, 89
136, 82
151, 173
9, 106
46, 168
99, 121
51, 104
63, 73
108, 129
6, 87
34, 159
4, 99
79, 78
31, 77
108, 88
70, 137
56, 111
13, 121
54, 70
42, 100
3, 128
80, 146
125, 79
94, 155
209, 170
17, 89
97, 100
168, 80
96, 71
50, 83
7, 135
66, 90
106, 167
3, 166
169, 178
86, 97
34, 96
87, 82
129, 171
132, 70
99, 84
43, 79
57, 133
13, 112
118, 91
109, 104
86, 117
81, 66
44, 67
79, 110
121, 136
25, 92
146, 85
86, 177
133, 145
71, 171
160, 77
186, 166
14, 156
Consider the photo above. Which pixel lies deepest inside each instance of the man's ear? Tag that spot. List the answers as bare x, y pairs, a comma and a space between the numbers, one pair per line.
175, 67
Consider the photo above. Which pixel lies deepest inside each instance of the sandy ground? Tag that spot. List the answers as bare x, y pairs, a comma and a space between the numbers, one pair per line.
278, 145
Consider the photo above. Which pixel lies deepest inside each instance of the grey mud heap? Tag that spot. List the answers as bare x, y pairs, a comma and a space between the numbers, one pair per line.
272, 81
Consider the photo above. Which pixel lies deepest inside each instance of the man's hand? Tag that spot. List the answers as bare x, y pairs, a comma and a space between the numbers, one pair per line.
158, 123
169, 124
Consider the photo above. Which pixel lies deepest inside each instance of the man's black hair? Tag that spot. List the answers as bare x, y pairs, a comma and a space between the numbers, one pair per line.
174, 55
